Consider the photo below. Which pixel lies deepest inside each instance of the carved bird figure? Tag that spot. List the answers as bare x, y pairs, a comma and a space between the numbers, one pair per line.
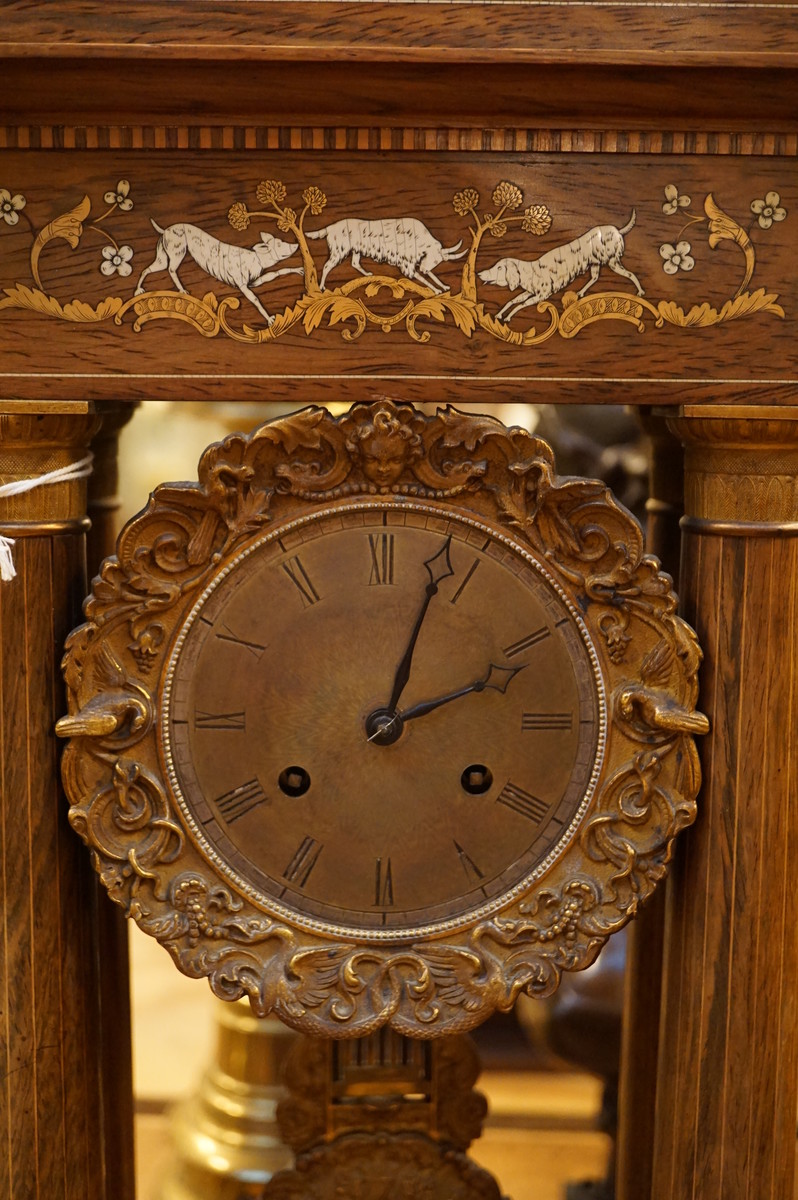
646, 705
116, 704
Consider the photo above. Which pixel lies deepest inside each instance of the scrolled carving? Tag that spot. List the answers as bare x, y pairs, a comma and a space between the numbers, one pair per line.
129, 827
368, 1167
328, 982
372, 1147
461, 1109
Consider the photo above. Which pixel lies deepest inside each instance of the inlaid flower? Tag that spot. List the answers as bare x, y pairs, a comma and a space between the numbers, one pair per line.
537, 219
315, 198
10, 206
768, 210
677, 258
673, 200
116, 260
238, 216
508, 195
463, 202
120, 197
287, 221
270, 191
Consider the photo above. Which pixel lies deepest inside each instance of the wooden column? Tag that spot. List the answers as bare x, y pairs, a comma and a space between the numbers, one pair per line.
726, 1095
644, 945
114, 976
51, 1100
102, 500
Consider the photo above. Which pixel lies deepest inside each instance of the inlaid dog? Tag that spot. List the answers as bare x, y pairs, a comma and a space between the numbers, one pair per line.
602, 246
236, 265
404, 242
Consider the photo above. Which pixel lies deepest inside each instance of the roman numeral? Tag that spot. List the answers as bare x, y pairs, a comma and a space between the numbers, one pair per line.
547, 720
383, 884
300, 578
228, 636
208, 720
523, 803
469, 573
525, 643
471, 869
241, 800
381, 546
303, 862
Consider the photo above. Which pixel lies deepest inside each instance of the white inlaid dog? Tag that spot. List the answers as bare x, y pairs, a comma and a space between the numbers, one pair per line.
602, 246
235, 265
404, 242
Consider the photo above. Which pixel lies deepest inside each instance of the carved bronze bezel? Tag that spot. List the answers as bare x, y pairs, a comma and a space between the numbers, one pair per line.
325, 983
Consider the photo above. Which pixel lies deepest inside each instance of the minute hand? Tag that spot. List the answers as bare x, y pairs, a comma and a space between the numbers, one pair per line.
438, 567
497, 678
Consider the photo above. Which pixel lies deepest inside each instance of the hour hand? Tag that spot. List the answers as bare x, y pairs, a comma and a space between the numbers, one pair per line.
438, 567
498, 679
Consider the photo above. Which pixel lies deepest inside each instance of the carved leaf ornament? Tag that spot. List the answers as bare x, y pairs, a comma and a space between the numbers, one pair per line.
320, 978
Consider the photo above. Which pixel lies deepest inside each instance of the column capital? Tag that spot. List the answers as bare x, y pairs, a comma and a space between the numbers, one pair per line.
34, 441
741, 469
45, 407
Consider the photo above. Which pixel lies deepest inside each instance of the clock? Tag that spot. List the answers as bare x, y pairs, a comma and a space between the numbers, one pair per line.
381, 722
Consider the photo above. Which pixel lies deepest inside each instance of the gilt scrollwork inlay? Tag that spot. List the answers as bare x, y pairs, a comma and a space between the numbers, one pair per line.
326, 983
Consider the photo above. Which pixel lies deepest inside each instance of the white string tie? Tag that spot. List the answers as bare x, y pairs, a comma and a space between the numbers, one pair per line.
78, 470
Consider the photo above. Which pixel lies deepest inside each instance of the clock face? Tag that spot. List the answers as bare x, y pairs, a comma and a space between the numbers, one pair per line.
382, 721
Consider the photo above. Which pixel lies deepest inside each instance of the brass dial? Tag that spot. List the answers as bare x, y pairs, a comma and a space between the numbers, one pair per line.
382, 719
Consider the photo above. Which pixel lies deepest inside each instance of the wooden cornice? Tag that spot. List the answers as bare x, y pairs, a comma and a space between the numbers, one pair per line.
755, 33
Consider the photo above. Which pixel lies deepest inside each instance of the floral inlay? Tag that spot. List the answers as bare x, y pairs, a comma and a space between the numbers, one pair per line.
120, 197
673, 200
10, 206
677, 258
116, 261
768, 210
407, 278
